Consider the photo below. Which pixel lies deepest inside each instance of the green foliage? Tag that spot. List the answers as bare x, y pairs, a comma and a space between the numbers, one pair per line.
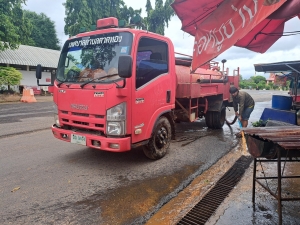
260, 123
14, 28
261, 85
271, 85
84, 13
257, 79
43, 31
80, 15
9, 76
243, 84
254, 82
158, 17
240, 77
288, 84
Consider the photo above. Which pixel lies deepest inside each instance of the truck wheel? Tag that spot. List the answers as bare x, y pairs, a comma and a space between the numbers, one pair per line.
160, 140
209, 119
215, 120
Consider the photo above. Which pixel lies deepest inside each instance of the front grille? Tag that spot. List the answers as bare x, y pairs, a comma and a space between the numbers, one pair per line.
78, 120
80, 114
81, 123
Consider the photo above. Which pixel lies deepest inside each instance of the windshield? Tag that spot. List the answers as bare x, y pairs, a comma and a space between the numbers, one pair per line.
93, 57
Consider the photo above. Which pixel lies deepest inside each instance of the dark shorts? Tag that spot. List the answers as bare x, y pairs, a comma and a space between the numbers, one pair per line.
247, 112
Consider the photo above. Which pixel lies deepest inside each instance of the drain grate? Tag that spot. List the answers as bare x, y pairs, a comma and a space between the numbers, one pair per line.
211, 201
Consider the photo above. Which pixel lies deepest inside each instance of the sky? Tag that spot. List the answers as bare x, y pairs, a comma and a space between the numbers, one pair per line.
285, 49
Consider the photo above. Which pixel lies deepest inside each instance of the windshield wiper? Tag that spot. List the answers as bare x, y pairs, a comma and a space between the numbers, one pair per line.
66, 80
60, 83
98, 78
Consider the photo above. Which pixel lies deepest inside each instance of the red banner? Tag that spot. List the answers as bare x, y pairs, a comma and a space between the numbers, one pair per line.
231, 21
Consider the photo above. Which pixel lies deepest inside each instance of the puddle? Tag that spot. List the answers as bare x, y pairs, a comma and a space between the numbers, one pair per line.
133, 204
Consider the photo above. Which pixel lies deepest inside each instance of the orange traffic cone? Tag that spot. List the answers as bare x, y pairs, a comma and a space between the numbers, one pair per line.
28, 96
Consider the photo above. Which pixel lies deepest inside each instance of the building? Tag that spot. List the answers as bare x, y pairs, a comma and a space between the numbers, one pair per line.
271, 78
26, 58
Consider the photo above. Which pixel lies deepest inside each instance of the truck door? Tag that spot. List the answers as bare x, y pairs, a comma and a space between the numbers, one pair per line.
152, 94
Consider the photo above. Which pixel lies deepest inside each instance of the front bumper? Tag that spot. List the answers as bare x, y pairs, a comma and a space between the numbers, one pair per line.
124, 143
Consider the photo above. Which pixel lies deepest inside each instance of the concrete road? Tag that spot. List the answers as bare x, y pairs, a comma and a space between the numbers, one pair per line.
47, 181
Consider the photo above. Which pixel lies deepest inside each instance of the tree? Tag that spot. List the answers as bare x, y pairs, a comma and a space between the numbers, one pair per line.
240, 77
271, 85
158, 17
14, 28
257, 79
243, 84
43, 31
9, 76
261, 84
84, 13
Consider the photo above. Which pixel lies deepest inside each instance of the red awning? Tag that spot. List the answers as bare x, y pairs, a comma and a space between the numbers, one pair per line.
190, 12
202, 17
263, 36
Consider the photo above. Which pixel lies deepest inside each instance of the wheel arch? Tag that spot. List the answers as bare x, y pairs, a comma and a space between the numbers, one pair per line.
169, 115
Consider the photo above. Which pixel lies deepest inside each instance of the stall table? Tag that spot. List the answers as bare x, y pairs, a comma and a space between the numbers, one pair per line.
279, 144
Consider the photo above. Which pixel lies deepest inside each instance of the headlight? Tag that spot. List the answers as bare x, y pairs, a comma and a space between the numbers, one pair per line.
56, 118
116, 120
116, 128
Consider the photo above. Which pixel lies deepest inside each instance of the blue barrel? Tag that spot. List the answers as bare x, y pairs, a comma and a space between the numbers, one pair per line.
282, 102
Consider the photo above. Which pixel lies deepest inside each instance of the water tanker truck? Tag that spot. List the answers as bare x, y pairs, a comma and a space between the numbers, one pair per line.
117, 88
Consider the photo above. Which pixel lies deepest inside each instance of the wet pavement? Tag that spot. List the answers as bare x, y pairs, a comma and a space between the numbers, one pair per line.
47, 181
237, 208
141, 192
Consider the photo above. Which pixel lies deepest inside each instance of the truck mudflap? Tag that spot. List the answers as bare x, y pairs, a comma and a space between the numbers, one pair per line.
93, 141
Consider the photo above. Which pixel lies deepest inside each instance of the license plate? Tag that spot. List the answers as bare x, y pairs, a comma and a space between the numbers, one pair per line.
78, 139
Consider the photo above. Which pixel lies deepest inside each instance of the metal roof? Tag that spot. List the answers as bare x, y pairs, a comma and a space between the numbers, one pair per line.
30, 56
286, 66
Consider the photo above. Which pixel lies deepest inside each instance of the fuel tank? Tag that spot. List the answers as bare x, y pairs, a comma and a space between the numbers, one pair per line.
201, 75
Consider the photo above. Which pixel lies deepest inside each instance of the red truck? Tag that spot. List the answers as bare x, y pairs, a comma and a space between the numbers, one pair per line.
118, 88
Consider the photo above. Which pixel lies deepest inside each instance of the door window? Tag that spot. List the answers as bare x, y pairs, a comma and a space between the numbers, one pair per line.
152, 60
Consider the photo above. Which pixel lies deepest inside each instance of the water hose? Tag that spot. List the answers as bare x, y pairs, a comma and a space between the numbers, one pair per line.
232, 122
244, 144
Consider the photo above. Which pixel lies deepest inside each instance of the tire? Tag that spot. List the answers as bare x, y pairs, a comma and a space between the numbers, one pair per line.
159, 142
215, 120
209, 119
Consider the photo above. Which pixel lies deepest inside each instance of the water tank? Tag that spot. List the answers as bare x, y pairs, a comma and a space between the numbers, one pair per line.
281, 102
183, 75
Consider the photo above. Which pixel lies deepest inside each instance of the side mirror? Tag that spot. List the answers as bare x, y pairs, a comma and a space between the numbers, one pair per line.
125, 66
38, 75
53, 76
38, 72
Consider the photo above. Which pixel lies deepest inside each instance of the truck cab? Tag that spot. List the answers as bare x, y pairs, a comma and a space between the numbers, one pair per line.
111, 86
